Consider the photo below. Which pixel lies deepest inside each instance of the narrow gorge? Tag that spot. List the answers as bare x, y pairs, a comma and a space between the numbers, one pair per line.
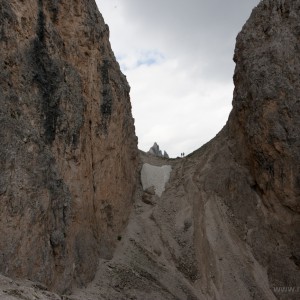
86, 215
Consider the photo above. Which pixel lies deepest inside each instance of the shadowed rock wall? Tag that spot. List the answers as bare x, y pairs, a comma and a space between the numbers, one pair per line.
265, 117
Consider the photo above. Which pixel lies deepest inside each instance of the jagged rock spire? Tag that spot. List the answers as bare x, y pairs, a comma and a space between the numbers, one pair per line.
154, 150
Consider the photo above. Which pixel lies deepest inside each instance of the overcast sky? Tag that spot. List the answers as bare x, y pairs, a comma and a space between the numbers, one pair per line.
177, 56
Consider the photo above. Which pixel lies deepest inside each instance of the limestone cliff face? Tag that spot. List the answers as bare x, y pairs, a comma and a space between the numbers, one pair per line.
265, 117
265, 127
68, 153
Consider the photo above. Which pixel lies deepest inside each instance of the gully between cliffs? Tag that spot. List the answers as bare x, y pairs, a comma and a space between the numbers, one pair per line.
74, 215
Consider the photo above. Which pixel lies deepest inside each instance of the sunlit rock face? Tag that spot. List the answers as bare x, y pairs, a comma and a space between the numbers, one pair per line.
68, 153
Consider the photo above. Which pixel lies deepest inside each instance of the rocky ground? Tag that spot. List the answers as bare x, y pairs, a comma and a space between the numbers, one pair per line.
187, 244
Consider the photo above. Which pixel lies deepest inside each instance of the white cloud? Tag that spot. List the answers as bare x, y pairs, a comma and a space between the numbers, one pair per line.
177, 56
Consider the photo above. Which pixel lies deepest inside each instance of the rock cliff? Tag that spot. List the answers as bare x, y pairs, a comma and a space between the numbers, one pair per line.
68, 153
265, 126
227, 224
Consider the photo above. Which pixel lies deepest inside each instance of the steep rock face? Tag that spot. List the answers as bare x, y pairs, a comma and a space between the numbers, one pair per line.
68, 153
265, 118
265, 123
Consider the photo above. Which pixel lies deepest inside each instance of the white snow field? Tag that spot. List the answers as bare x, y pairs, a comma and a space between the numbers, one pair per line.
155, 176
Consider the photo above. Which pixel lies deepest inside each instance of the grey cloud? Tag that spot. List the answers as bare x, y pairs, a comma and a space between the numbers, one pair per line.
192, 85
194, 28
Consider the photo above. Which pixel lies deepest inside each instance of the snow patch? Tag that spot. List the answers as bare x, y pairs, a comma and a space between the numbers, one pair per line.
156, 177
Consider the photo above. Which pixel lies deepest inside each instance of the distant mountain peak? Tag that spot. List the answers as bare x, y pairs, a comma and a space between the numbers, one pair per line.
154, 150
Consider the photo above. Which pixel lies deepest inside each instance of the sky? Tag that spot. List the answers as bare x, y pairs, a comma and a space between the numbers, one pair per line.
177, 57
